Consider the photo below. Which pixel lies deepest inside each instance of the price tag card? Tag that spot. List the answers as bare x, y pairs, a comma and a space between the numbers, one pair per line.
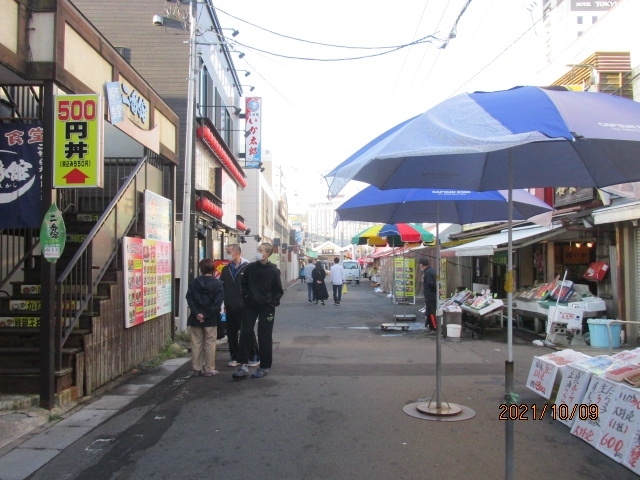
571, 393
622, 424
542, 377
602, 393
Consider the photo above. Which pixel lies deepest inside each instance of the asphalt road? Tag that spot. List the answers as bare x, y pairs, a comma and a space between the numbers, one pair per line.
332, 408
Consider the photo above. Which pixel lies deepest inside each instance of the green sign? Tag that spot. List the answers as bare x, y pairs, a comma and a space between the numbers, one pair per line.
53, 234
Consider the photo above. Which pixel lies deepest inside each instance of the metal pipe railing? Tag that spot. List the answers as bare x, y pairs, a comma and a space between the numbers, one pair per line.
617, 322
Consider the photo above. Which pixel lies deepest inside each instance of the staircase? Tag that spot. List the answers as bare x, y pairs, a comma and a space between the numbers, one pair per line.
89, 306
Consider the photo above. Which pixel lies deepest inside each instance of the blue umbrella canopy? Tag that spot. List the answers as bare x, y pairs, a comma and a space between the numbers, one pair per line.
438, 205
518, 138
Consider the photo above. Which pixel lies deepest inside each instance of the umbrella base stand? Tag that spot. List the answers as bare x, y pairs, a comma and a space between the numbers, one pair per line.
395, 326
445, 408
448, 412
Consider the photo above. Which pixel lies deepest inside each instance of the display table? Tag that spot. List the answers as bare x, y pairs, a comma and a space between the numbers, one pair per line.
543, 311
479, 320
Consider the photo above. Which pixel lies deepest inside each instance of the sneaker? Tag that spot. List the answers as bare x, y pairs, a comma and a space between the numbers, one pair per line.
322, 302
241, 372
232, 363
310, 301
253, 363
259, 373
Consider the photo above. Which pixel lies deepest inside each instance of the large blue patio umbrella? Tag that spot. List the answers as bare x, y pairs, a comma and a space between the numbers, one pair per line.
518, 138
429, 205
435, 206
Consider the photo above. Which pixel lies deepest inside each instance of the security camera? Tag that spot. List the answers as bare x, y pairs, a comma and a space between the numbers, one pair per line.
158, 20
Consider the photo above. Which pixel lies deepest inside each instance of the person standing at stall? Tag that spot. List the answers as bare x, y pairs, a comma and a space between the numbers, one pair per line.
337, 278
429, 285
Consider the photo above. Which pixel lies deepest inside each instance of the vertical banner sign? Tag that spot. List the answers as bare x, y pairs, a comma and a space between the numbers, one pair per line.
253, 147
114, 99
53, 234
77, 152
20, 175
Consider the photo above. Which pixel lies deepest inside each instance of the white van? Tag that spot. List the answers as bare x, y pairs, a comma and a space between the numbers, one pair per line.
351, 271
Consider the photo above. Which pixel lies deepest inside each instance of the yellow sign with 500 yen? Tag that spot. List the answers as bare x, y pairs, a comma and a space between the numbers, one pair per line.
77, 150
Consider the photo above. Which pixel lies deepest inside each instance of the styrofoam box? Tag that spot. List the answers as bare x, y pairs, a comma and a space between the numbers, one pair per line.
571, 316
595, 305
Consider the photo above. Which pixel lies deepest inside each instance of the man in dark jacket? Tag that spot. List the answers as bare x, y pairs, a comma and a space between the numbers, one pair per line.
204, 297
429, 284
262, 291
231, 277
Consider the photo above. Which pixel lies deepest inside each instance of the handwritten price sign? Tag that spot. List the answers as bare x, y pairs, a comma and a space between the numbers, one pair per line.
542, 376
602, 393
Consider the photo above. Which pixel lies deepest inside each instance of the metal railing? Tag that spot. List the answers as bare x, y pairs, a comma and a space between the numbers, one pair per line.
76, 286
617, 322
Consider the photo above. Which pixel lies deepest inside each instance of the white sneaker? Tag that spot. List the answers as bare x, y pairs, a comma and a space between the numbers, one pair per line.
232, 363
253, 363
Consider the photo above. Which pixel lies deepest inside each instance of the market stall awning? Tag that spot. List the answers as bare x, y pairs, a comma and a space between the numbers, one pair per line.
311, 253
490, 245
616, 213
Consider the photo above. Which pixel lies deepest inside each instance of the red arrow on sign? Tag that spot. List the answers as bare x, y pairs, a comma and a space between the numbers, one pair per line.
76, 176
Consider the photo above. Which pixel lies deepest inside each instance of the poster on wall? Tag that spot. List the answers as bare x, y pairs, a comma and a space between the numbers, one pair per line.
157, 217
147, 286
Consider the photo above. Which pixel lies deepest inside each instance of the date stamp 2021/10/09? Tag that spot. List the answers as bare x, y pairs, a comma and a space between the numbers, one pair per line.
557, 412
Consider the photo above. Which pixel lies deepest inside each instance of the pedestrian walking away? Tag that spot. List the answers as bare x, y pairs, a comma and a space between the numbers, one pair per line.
204, 297
319, 288
337, 279
231, 277
262, 291
308, 277
429, 286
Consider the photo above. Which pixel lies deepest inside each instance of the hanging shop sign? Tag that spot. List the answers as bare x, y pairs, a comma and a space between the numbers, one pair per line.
53, 234
253, 141
77, 148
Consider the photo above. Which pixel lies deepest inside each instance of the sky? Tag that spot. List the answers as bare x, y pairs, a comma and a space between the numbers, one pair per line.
322, 100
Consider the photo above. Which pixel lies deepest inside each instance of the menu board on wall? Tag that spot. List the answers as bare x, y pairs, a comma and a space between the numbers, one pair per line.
404, 278
147, 286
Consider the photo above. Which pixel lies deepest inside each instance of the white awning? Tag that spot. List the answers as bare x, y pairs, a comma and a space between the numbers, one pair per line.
616, 213
490, 245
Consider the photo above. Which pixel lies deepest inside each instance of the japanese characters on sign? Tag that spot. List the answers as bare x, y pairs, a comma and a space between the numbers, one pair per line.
253, 146
53, 234
20, 175
148, 279
77, 153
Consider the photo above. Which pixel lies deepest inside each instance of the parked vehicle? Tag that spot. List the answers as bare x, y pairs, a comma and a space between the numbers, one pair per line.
351, 271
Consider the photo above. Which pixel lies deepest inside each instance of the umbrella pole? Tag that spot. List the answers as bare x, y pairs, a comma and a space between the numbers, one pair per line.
509, 366
438, 314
